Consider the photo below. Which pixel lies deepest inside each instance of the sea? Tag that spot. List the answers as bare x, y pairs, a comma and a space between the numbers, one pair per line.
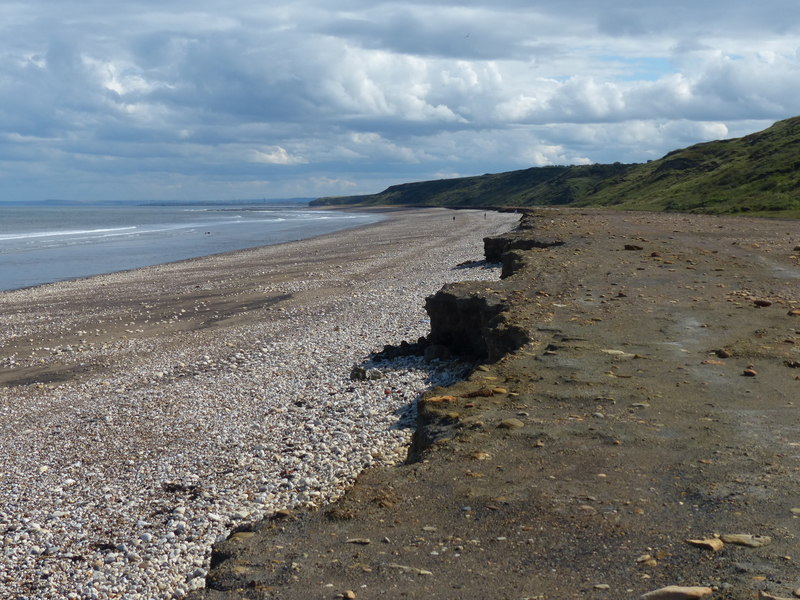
42, 244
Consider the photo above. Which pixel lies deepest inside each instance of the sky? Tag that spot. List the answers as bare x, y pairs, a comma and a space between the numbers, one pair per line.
208, 100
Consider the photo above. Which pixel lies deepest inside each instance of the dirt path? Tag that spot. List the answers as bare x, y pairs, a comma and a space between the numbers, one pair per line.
658, 401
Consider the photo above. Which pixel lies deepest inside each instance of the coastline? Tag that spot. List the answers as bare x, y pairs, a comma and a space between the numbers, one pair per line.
641, 443
147, 412
140, 245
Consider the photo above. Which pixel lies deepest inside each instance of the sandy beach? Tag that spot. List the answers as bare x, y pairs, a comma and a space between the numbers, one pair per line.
146, 413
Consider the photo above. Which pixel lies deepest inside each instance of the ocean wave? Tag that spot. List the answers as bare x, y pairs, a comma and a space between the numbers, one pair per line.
67, 232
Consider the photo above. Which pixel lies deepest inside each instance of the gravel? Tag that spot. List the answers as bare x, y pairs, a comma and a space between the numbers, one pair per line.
116, 484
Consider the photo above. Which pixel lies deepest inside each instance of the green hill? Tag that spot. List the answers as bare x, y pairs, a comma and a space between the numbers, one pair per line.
756, 174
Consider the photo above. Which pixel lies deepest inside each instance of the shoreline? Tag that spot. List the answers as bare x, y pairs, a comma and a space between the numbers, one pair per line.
203, 256
147, 412
641, 442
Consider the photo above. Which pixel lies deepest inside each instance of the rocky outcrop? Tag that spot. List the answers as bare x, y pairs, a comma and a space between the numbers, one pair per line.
513, 261
495, 247
520, 238
468, 319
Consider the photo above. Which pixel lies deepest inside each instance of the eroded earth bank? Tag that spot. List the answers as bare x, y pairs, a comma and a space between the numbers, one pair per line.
637, 386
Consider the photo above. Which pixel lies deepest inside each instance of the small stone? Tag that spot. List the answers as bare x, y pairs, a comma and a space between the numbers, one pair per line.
602, 586
650, 563
795, 312
762, 303
359, 373
407, 569
796, 592
359, 541
511, 424
348, 595
767, 596
619, 353
481, 455
714, 544
723, 353
677, 592
633, 247
796, 511
179, 527
745, 539
441, 400
749, 372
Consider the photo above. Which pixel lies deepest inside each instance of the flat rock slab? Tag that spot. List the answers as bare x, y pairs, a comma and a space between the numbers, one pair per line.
677, 592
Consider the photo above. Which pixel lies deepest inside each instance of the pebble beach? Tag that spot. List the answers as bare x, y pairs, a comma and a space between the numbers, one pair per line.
145, 414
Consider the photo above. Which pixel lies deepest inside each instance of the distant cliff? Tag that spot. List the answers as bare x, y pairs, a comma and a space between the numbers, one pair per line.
755, 174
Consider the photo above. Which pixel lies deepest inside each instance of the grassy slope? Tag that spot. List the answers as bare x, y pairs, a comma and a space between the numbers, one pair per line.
757, 174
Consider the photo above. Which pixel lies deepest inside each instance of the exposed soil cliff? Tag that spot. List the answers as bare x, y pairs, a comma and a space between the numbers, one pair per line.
470, 321
522, 238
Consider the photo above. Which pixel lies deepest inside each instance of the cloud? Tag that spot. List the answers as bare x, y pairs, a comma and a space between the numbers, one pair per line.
543, 155
181, 98
278, 156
